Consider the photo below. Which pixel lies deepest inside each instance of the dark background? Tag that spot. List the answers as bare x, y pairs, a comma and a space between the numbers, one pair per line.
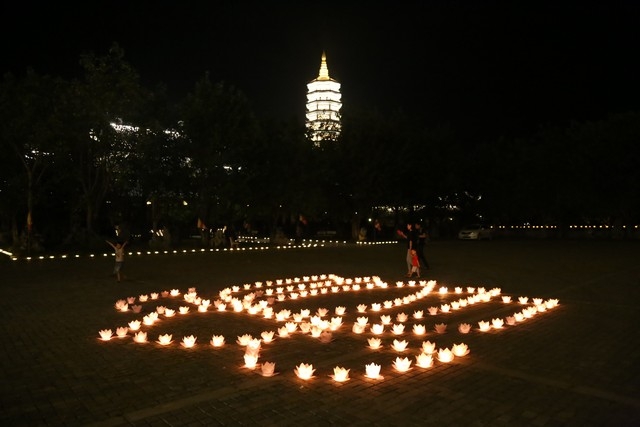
488, 68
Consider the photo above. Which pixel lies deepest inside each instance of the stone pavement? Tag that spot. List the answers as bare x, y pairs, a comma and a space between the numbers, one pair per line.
573, 365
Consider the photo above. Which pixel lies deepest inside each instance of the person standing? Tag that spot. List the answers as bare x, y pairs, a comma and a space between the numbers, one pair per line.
119, 255
422, 241
412, 243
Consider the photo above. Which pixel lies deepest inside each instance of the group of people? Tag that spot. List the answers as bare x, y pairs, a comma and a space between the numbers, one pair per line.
416, 237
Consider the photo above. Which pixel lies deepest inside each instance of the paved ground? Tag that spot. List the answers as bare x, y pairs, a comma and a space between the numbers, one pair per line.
573, 365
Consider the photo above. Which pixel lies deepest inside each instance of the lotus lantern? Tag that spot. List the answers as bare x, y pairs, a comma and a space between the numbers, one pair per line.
424, 360
418, 314
441, 328
188, 341
377, 328
433, 310
419, 329
217, 340
357, 328
340, 374
373, 371
362, 308
183, 309
385, 319
402, 364
106, 334
464, 328
375, 343
140, 337
304, 371
497, 323
460, 350
134, 325
399, 345
445, 355
122, 331
250, 360
243, 340
267, 336
169, 312
340, 310
165, 339
268, 369
428, 347
484, 325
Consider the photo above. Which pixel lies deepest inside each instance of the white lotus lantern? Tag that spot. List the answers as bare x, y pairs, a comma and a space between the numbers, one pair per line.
471, 289
165, 339
106, 334
283, 332
267, 336
418, 314
506, 299
377, 328
398, 329
134, 325
376, 307
399, 345
375, 343
484, 325
174, 292
340, 310
373, 371
305, 327
445, 308
385, 319
433, 310
222, 307
455, 305
445, 355
243, 340
304, 371
357, 328
402, 364
419, 329
424, 360
340, 374
140, 337
362, 320
523, 300
443, 290
458, 290
202, 308
441, 328
217, 340
169, 312
464, 328
336, 322
155, 295
402, 317
428, 347
518, 316
250, 360
387, 304
148, 320
183, 309
254, 344
291, 327
268, 369
188, 341
362, 308
497, 323
122, 331
511, 320
143, 298
460, 350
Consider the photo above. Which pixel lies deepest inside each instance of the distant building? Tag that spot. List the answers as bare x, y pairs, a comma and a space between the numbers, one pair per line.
323, 106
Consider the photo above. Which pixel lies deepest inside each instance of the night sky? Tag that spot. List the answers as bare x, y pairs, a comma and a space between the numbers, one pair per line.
485, 67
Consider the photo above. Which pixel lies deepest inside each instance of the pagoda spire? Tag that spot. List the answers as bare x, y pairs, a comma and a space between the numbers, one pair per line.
324, 70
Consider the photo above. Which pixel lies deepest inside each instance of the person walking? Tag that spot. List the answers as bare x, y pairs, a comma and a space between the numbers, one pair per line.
119, 255
422, 241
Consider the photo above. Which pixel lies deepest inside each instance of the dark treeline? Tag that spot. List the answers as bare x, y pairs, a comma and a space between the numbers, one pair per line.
70, 179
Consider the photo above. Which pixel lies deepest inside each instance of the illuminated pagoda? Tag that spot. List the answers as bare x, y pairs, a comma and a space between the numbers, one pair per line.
323, 106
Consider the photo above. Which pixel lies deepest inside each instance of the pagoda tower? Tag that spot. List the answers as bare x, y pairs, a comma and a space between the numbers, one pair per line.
323, 106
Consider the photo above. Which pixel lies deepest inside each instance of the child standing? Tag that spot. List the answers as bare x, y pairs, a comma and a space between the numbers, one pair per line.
415, 264
119, 255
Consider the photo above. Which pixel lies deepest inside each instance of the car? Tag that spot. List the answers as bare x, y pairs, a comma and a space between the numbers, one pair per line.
475, 232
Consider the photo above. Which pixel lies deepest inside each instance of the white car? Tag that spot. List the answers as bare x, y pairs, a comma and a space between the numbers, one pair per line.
475, 232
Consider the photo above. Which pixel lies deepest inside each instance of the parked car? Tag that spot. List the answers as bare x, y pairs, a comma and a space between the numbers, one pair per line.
475, 232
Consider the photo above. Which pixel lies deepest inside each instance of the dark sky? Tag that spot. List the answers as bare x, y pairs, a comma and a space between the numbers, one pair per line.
494, 67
